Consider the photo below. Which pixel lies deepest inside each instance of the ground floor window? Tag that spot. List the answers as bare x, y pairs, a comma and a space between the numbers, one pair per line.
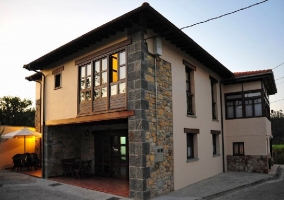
238, 149
191, 143
215, 142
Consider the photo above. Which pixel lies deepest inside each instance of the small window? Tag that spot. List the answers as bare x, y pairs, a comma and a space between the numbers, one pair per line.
57, 77
238, 149
189, 91
57, 80
215, 142
190, 146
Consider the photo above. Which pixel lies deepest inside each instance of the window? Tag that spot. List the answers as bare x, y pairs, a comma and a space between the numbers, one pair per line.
102, 80
85, 82
57, 80
189, 70
214, 97
57, 77
117, 73
246, 104
238, 149
191, 143
215, 142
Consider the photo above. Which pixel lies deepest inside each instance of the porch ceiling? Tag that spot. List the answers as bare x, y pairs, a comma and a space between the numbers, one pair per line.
91, 118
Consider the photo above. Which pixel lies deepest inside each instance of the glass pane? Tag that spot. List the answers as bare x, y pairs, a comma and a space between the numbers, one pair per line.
249, 108
122, 88
234, 96
122, 72
89, 69
230, 110
123, 150
88, 82
254, 94
114, 67
189, 152
96, 93
239, 109
82, 83
88, 95
113, 90
82, 96
83, 71
104, 92
257, 107
236, 149
122, 58
97, 67
97, 80
241, 149
104, 77
104, 64
123, 171
122, 140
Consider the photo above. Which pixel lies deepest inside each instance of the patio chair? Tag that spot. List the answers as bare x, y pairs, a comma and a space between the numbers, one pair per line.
78, 168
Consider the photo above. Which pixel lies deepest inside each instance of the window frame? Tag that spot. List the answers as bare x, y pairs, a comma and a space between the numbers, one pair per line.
264, 104
214, 104
192, 143
190, 89
215, 142
238, 144
57, 74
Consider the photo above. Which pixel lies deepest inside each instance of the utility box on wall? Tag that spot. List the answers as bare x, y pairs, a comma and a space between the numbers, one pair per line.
159, 154
157, 46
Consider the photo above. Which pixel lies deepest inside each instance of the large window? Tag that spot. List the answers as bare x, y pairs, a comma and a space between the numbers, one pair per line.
238, 149
246, 104
102, 81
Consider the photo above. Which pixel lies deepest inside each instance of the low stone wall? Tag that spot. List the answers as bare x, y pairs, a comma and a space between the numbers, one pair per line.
257, 164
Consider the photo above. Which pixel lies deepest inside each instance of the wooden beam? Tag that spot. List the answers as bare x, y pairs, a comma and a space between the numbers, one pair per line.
92, 118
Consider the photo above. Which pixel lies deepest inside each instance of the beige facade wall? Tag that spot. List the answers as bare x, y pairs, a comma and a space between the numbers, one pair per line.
185, 172
62, 103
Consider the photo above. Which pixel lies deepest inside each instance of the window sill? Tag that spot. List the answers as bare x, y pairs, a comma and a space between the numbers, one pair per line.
192, 160
215, 120
192, 116
216, 155
57, 88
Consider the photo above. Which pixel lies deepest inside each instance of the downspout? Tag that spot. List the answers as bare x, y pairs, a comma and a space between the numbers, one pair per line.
40, 127
222, 127
43, 124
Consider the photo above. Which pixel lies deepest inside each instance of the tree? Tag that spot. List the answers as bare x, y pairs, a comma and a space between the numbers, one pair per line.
16, 112
277, 126
1, 132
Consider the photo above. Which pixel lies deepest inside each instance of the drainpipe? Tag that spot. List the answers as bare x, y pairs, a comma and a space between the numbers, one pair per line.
43, 119
222, 126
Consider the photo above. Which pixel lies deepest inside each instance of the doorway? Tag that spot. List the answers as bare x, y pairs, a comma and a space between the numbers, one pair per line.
111, 154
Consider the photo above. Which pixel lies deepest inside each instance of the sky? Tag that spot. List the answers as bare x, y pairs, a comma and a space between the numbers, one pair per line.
252, 39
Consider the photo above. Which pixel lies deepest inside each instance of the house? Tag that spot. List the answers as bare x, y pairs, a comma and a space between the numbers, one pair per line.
147, 104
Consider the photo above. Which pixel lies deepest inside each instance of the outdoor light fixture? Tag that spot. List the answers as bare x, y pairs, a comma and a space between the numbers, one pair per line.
87, 133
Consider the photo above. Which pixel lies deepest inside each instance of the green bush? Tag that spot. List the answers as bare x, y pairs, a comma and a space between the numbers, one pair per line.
278, 154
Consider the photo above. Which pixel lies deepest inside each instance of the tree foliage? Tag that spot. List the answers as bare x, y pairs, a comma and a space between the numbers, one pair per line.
277, 126
16, 112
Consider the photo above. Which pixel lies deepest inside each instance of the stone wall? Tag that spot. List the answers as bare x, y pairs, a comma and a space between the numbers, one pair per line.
71, 141
151, 126
258, 164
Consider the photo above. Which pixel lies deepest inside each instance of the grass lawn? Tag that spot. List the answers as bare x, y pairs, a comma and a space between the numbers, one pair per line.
278, 146
278, 153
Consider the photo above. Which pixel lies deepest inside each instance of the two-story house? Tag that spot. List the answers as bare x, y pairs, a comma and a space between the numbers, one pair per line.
147, 104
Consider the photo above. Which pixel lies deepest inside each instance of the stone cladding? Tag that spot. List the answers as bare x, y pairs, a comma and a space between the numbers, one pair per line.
258, 164
152, 125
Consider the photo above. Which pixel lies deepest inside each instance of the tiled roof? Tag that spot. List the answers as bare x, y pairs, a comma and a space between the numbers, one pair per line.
250, 73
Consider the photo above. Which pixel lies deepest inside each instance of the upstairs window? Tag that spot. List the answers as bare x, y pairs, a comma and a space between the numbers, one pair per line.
100, 78
57, 77
214, 82
85, 82
117, 73
190, 99
246, 104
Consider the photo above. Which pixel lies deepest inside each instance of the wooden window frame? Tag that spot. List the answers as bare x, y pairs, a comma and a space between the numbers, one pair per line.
57, 73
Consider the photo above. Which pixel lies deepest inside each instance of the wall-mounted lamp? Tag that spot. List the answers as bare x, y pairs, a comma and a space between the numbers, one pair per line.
87, 132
